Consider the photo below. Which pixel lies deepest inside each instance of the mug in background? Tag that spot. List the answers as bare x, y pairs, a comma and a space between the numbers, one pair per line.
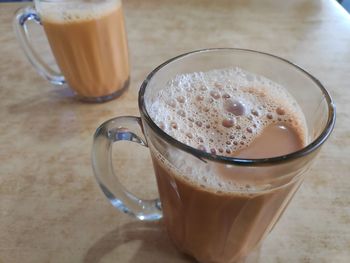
214, 226
88, 41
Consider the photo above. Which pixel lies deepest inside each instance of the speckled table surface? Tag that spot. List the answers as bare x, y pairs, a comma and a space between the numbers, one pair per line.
51, 209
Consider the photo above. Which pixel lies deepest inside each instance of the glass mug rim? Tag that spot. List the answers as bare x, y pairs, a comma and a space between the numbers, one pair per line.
205, 156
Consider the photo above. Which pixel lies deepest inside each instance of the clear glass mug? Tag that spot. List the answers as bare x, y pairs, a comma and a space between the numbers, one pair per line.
208, 225
88, 41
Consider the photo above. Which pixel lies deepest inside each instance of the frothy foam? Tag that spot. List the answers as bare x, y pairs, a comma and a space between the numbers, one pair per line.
223, 111
220, 112
73, 11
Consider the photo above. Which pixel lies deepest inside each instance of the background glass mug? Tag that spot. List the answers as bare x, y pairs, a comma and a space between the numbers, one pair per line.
88, 41
209, 225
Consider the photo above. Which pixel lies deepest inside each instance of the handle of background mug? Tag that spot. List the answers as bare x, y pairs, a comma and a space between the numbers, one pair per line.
20, 20
126, 128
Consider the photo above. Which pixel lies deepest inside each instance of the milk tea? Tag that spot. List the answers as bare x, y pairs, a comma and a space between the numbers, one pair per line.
88, 40
219, 214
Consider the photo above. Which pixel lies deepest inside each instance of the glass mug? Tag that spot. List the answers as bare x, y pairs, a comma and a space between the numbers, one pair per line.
88, 41
212, 226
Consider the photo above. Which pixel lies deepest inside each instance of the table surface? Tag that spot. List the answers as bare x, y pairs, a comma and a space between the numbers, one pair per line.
51, 209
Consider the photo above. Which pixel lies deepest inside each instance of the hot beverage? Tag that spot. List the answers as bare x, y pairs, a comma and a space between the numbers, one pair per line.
89, 43
230, 112
229, 148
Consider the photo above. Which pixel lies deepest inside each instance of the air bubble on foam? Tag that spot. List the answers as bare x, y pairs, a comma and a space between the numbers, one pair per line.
228, 122
199, 123
215, 94
181, 113
200, 97
235, 107
280, 111
255, 112
174, 125
171, 103
249, 129
189, 135
181, 99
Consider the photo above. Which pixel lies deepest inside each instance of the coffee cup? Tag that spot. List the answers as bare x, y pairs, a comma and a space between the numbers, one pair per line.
216, 206
88, 41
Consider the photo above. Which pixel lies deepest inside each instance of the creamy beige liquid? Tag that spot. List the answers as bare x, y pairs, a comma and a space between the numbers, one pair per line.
218, 214
216, 227
89, 44
276, 139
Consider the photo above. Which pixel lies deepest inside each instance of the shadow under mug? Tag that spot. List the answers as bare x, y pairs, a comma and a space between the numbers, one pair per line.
214, 226
88, 41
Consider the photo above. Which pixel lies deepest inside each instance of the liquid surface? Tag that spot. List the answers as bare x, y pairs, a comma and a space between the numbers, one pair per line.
224, 111
89, 43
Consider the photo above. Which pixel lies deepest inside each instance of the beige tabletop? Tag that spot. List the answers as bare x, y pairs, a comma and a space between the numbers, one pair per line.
51, 209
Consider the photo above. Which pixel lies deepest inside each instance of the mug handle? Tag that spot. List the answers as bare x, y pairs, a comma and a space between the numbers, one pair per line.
126, 128
20, 20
